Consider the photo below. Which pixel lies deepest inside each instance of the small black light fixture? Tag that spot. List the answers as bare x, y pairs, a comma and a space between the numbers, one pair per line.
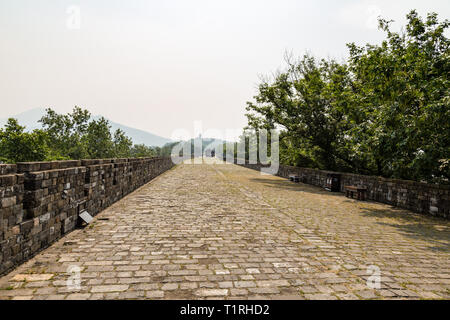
333, 182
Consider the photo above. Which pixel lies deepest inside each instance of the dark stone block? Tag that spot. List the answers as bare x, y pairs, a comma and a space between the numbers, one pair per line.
26, 226
52, 193
8, 181
23, 167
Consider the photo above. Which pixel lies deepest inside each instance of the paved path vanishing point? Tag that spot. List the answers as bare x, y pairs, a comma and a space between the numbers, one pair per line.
227, 232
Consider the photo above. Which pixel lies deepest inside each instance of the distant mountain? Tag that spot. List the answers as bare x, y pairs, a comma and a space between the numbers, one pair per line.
30, 119
139, 136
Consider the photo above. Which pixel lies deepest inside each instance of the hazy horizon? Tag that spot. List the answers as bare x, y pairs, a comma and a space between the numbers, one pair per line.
159, 67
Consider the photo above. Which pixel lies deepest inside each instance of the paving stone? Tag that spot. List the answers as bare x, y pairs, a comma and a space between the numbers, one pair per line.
239, 234
78, 296
132, 295
273, 283
346, 296
429, 295
264, 290
169, 286
188, 285
56, 297
32, 277
211, 292
225, 284
366, 294
253, 270
155, 294
22, 298
109, 288
244, 284
239, 292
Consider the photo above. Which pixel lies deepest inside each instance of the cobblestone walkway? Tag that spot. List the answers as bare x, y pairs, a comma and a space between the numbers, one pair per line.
227, 232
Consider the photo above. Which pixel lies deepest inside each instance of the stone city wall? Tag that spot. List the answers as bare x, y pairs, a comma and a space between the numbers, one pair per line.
41, 201
432, 199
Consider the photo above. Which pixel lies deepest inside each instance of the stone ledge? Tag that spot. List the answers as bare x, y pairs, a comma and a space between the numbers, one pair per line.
430, 199
40, 201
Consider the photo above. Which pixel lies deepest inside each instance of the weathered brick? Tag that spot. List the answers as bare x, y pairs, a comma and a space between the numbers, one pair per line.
8, 202
211, 292
155, 294
109, 288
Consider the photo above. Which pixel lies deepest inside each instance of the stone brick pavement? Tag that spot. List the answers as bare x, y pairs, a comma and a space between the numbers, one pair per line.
227, 232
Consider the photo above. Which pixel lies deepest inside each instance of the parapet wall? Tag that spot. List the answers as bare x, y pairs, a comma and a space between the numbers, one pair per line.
419, 197
40, 201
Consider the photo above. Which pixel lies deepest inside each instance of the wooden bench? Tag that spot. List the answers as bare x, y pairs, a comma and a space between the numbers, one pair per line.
294, 178
360, 192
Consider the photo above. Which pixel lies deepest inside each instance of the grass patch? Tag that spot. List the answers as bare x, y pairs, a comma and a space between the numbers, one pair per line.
7, 288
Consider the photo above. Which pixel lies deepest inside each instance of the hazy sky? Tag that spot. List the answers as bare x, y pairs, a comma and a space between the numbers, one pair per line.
161, 65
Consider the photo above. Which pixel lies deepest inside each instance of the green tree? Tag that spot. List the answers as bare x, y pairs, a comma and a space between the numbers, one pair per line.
386, 111
76, 136
142, 151
16, 145
308, 102
122, 144
98, 139
402, 94
68, 136
166, 150
66, 131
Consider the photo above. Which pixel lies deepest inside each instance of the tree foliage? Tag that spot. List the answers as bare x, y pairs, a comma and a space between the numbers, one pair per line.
142, 151
65, 132
68, 136
385, 112
17, 145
